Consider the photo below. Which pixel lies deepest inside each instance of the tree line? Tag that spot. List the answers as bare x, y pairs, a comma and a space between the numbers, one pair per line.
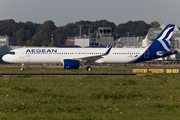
34, 34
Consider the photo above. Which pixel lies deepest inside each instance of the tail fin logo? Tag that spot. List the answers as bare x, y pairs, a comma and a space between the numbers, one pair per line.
165, 38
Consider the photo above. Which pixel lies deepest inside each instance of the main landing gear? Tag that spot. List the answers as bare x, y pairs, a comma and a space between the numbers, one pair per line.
22, 67
89, 68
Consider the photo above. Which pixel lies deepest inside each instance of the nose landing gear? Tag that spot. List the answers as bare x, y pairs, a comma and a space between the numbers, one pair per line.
22, 66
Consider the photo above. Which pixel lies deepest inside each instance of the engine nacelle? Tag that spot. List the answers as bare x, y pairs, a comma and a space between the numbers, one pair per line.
71, 64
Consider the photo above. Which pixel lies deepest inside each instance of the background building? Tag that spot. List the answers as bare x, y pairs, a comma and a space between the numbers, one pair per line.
83, 42
105, 36
70, 41
129, 42
6, 44
9, 41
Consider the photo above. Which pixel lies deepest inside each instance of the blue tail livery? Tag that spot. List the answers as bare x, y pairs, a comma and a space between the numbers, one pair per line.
160, 47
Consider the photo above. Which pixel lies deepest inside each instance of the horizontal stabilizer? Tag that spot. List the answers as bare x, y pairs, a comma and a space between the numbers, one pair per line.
166, 52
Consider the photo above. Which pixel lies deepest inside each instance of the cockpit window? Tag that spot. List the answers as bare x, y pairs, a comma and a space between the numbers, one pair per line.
12, 53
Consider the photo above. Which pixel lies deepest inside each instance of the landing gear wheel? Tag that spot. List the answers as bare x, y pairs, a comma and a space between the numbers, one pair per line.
89, 69
22, 67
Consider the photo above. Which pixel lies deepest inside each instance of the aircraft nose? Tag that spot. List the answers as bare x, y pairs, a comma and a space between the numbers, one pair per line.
5, 58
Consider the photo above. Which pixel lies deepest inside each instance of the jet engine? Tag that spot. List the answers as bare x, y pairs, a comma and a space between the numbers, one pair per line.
71, 64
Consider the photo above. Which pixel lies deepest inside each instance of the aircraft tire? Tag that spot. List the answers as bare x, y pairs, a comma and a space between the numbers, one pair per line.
89, 69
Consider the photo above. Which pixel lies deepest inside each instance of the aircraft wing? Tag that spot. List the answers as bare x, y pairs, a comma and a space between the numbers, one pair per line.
92, 58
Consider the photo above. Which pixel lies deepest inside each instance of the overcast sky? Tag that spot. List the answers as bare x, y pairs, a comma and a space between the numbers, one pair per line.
62, 12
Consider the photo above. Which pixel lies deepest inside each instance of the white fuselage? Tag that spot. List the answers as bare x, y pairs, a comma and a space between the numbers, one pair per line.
46, 55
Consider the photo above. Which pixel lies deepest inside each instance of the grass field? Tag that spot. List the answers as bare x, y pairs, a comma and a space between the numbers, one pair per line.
147, 97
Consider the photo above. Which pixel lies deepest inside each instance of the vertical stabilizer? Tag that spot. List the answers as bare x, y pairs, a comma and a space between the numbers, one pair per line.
163, 41
160, 47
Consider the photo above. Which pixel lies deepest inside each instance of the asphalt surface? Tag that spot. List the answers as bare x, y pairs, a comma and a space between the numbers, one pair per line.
66, 74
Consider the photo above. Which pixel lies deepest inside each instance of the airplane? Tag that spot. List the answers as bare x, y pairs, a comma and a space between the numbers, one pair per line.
72, 58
